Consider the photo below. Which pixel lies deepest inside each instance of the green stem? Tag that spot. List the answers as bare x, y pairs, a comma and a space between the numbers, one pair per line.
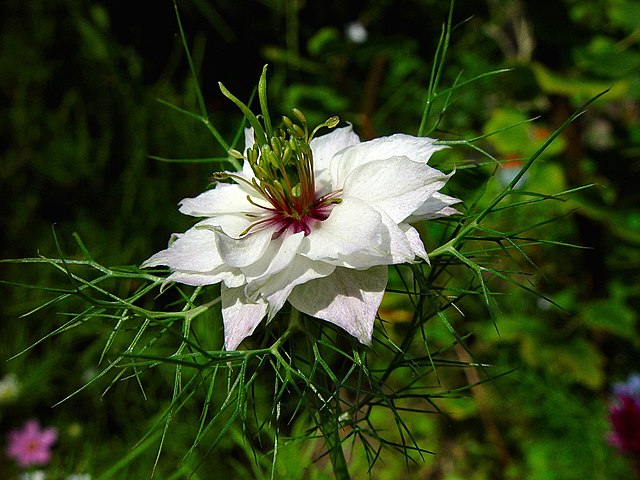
262, 97
329, 423
294, 320
331, 432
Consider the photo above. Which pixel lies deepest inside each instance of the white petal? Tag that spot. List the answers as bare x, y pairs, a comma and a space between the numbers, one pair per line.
240, 316
233, 225
347, 298
437, 206
249, 140
278, 287
195, 250
225, 198
400, 247
231, 278
278, 255
353, 226
195, 259
417, 149
413, 237
324, 148
241, 252
395, 247
396, 185
301, 270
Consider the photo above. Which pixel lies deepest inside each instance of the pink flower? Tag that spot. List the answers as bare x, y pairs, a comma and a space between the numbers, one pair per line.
624, 415
31, 446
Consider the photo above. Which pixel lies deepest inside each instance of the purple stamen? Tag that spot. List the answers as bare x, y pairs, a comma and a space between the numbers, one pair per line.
304, 223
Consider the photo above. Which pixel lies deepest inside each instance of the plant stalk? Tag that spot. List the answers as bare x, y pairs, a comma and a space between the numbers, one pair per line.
331, 432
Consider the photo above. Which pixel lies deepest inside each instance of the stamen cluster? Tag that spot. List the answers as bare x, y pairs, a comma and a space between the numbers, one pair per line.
284, 176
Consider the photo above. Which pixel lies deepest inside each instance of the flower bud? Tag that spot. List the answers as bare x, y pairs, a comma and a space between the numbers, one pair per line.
286, 156
233, 153
297, 131
273, 159
287, 122
275, 145
300, 116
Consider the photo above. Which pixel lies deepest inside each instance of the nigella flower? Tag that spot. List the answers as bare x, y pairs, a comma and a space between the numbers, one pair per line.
314, 221
624, 415
31, 445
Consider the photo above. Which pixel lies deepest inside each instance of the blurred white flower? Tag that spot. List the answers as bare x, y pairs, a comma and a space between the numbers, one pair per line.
356, 32
35, 475
599, 134
315, 224
508, 171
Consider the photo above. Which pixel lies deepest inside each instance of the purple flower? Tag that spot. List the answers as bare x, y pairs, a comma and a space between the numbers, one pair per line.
630, 388
624, 415
31, 445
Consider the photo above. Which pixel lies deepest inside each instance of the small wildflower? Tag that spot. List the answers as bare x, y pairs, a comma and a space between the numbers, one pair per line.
31, 445
599, 134
630, 388
509, 169
35, 475
624, 415
356, 32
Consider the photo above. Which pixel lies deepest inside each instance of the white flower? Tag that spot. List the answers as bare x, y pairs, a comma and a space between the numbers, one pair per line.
324, 243
356, 32
35, 475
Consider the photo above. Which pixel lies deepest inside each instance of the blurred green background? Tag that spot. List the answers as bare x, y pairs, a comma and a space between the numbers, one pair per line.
79, 120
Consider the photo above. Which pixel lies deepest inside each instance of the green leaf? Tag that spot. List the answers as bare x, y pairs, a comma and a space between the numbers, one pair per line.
571, 86
576, 361
253, 120
610, 315
518, 137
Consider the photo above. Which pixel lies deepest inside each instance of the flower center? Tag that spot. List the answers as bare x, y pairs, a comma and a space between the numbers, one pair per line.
303, 221
32, 446
284, 177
